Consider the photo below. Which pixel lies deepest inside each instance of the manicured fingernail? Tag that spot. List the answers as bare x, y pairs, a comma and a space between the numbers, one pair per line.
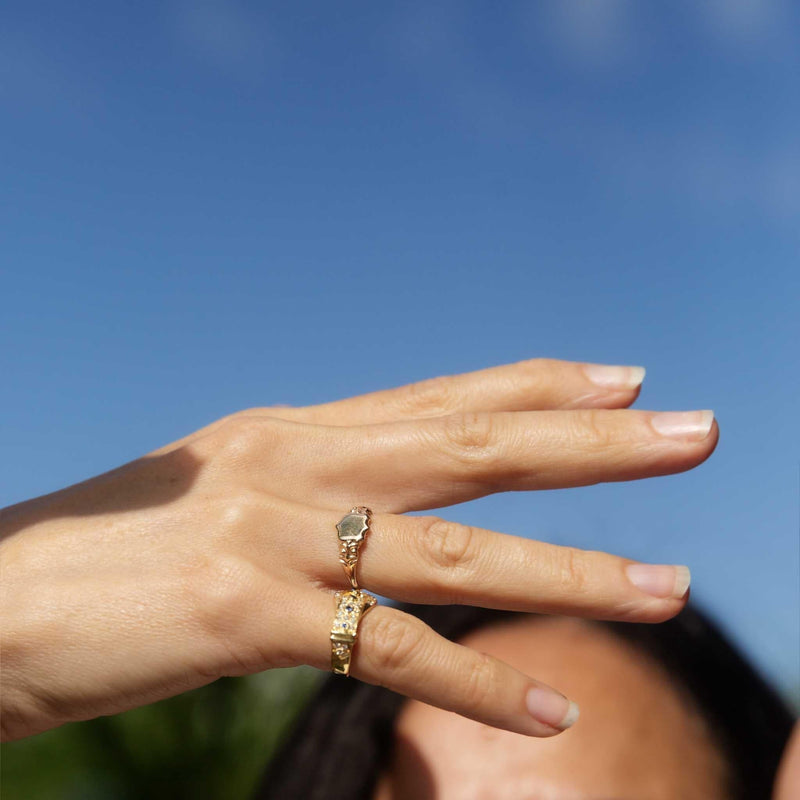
692, 426
551, 708
660, 580
614, 377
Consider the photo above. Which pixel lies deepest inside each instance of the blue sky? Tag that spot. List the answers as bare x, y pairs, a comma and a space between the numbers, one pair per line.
213, 205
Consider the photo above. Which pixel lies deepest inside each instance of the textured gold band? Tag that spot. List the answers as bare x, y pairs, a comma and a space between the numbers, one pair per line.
352, 529
350, 608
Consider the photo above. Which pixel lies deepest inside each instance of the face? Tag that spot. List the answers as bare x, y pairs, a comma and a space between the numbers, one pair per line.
637, 737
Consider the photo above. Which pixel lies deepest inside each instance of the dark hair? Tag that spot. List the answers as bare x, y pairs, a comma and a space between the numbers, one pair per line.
750, 722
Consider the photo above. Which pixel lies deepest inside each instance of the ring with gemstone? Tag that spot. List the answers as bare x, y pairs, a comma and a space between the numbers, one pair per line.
352, 530
350, 608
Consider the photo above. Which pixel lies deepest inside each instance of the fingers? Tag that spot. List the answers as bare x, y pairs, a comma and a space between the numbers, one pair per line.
435, 561
538, 383
399, 651
526, 385
441, 461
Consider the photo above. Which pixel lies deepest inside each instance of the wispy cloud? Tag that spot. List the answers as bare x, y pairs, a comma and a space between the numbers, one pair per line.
589, 33
780, 182
35, 77
429, 42
747, 24
224, 35
604, 33
700, 158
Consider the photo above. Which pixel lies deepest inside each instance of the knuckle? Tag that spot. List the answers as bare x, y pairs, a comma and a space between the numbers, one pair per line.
237, 511
541, 369
539, 373
574, 570
431, 397
480, 682
240, 437
470, 436
593, 425
219, 591
448, 545
393, 640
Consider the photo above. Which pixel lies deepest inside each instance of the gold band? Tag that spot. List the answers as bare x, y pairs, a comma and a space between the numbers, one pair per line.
350, 608
352, 529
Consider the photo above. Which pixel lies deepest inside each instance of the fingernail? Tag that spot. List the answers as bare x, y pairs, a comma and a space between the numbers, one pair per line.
692, 426
551, 708
614, 377
660, 580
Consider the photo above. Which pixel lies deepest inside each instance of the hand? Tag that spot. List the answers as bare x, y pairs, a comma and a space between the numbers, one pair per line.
218, 555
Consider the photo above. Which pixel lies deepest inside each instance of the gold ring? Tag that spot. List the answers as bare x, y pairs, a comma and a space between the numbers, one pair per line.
352, 530
350, 607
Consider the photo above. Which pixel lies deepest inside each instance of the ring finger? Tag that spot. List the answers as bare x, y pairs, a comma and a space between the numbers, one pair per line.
435, 561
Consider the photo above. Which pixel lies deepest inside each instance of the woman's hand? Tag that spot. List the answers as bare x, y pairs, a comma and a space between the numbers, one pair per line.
218, 554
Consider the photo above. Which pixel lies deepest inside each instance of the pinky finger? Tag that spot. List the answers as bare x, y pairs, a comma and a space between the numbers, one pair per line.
402, 653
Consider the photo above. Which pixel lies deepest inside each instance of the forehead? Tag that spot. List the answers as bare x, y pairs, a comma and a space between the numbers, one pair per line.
637, 736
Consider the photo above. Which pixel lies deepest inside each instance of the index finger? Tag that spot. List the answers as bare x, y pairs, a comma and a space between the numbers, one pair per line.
529, 385
534, 384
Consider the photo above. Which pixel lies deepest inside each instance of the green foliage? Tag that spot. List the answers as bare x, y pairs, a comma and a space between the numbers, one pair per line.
208, 744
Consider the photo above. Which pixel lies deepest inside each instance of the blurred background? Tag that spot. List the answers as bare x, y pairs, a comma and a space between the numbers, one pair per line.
196, 196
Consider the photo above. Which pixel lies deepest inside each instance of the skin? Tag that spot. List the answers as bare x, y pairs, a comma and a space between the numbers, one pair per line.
637, 738
217, 555
787, 784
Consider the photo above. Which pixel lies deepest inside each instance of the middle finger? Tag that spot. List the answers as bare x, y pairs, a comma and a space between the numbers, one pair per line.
422, 464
